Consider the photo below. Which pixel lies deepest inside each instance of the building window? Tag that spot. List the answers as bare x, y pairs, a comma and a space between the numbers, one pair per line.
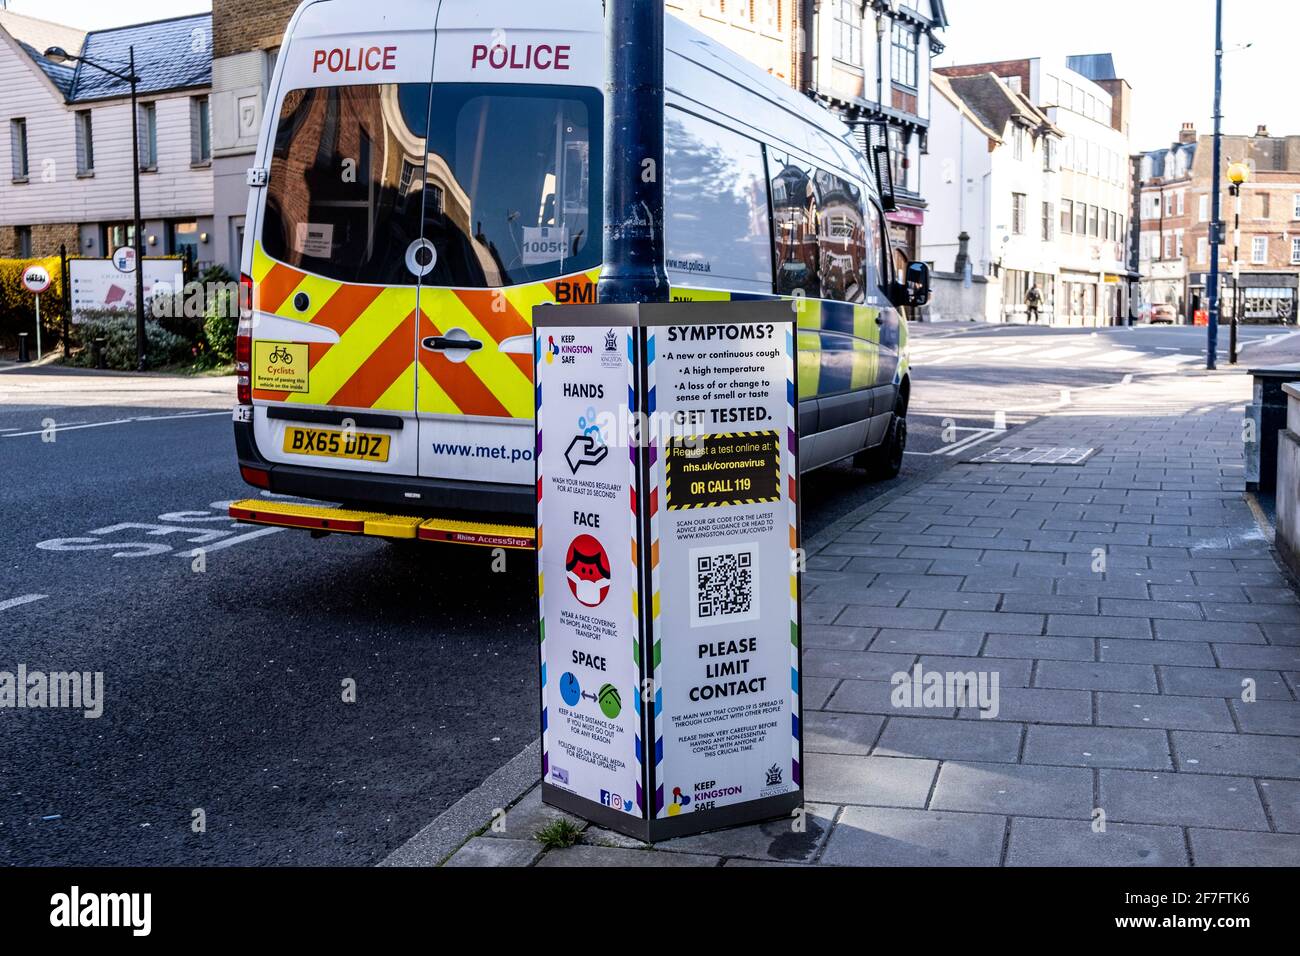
85, 144
1080, 219
1018, 142
1259, 250
1263, 206
18, 148
1204, 211
23, 241
902, 64
1169, 247
1049, 216
1202, 249
1049, 154
898, 157
1295, 251
772, 17
846, 32
1295, 208
1092, 220
742, 11
148, 130
1018, 214
1178, 244
200, 130
1180, 202
1067, 216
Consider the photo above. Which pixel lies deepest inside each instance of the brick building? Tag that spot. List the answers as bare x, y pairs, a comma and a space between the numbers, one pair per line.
1175, 185
1167, 207
246, 37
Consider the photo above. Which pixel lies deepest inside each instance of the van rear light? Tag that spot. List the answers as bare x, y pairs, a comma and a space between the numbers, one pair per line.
257, 477
245, 295
244, 342
244, 361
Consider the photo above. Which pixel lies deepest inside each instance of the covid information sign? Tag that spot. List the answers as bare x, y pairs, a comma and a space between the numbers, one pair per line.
667, 476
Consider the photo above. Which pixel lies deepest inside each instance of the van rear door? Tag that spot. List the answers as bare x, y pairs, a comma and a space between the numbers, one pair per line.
512, 215
337, 244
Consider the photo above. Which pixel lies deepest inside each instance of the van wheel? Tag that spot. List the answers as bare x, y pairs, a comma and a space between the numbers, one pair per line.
885, 461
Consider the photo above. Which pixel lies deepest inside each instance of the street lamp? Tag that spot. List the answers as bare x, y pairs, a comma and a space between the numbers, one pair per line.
1238, 173
1216, 227
57, 54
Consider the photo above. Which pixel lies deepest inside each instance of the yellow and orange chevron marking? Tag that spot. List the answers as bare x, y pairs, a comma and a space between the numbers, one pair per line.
377, 362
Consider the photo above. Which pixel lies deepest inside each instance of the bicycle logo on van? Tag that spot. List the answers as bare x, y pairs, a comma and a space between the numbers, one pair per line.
280, 356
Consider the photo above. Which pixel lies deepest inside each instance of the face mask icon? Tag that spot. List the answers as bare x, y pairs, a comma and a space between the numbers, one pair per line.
586, 567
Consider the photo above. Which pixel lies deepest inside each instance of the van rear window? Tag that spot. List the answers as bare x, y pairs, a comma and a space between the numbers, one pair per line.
503, 181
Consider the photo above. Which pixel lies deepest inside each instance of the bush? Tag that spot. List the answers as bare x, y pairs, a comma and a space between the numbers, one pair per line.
164, 348
17, 306
221, 325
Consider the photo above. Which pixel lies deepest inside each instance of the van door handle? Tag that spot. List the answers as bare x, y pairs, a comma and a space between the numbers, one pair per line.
440, 343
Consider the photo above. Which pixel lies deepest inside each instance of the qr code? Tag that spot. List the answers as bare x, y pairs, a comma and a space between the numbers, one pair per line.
724, 585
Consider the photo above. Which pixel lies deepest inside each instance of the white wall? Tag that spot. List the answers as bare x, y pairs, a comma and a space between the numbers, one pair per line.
54, 192
955, 183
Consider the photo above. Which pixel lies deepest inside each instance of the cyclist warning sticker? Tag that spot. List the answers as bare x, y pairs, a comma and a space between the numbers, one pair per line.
706, 471
280, 366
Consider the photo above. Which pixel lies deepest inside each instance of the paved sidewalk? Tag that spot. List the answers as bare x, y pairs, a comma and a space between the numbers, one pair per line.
1124, 733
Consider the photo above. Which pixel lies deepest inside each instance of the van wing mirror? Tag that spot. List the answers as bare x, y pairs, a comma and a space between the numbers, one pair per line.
916, 284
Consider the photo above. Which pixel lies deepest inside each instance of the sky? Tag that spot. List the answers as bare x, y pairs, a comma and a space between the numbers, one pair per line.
1164, 48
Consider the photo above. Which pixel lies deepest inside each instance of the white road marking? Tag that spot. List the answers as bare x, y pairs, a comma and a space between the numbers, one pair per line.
19, 601
230, 542
118, 421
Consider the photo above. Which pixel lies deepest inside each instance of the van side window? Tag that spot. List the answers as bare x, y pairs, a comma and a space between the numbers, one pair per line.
715, 203
331, 207
841, 238
794, 226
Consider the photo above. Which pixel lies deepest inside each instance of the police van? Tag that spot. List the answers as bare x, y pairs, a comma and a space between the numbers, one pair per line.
429, 172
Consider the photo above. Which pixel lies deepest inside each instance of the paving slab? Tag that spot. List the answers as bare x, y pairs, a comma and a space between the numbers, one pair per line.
584, 856
837, 733
1181, 799
483, 851
1252, 755
1222, 682
946, 739
1093, 675
876, 781
796, 839
1037, 705
1013, 789
1267, 716
1076, 843
883, 836
1282, 797
1098, 747
1231, 848
1164, 711
1052, 647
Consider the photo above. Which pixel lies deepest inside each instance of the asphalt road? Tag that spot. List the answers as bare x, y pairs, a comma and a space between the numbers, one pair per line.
224, 680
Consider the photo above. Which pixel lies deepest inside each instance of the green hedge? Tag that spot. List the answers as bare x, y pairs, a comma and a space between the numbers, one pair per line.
164, 348
18, 306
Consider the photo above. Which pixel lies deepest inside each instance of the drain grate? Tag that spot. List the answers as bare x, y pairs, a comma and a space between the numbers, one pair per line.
1038, 455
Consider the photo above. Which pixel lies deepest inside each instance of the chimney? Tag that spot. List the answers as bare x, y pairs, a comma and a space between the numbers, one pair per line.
1261, 130
1188, 133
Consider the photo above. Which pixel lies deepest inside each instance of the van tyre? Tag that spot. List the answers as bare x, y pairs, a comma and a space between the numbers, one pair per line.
885, 461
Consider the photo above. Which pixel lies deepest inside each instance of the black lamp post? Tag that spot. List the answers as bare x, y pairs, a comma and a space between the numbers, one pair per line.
59, 55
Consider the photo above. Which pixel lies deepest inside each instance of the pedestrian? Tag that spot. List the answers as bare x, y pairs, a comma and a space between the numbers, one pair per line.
1033, 299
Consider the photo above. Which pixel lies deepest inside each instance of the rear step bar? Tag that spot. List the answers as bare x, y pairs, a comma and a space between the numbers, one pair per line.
376, 524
